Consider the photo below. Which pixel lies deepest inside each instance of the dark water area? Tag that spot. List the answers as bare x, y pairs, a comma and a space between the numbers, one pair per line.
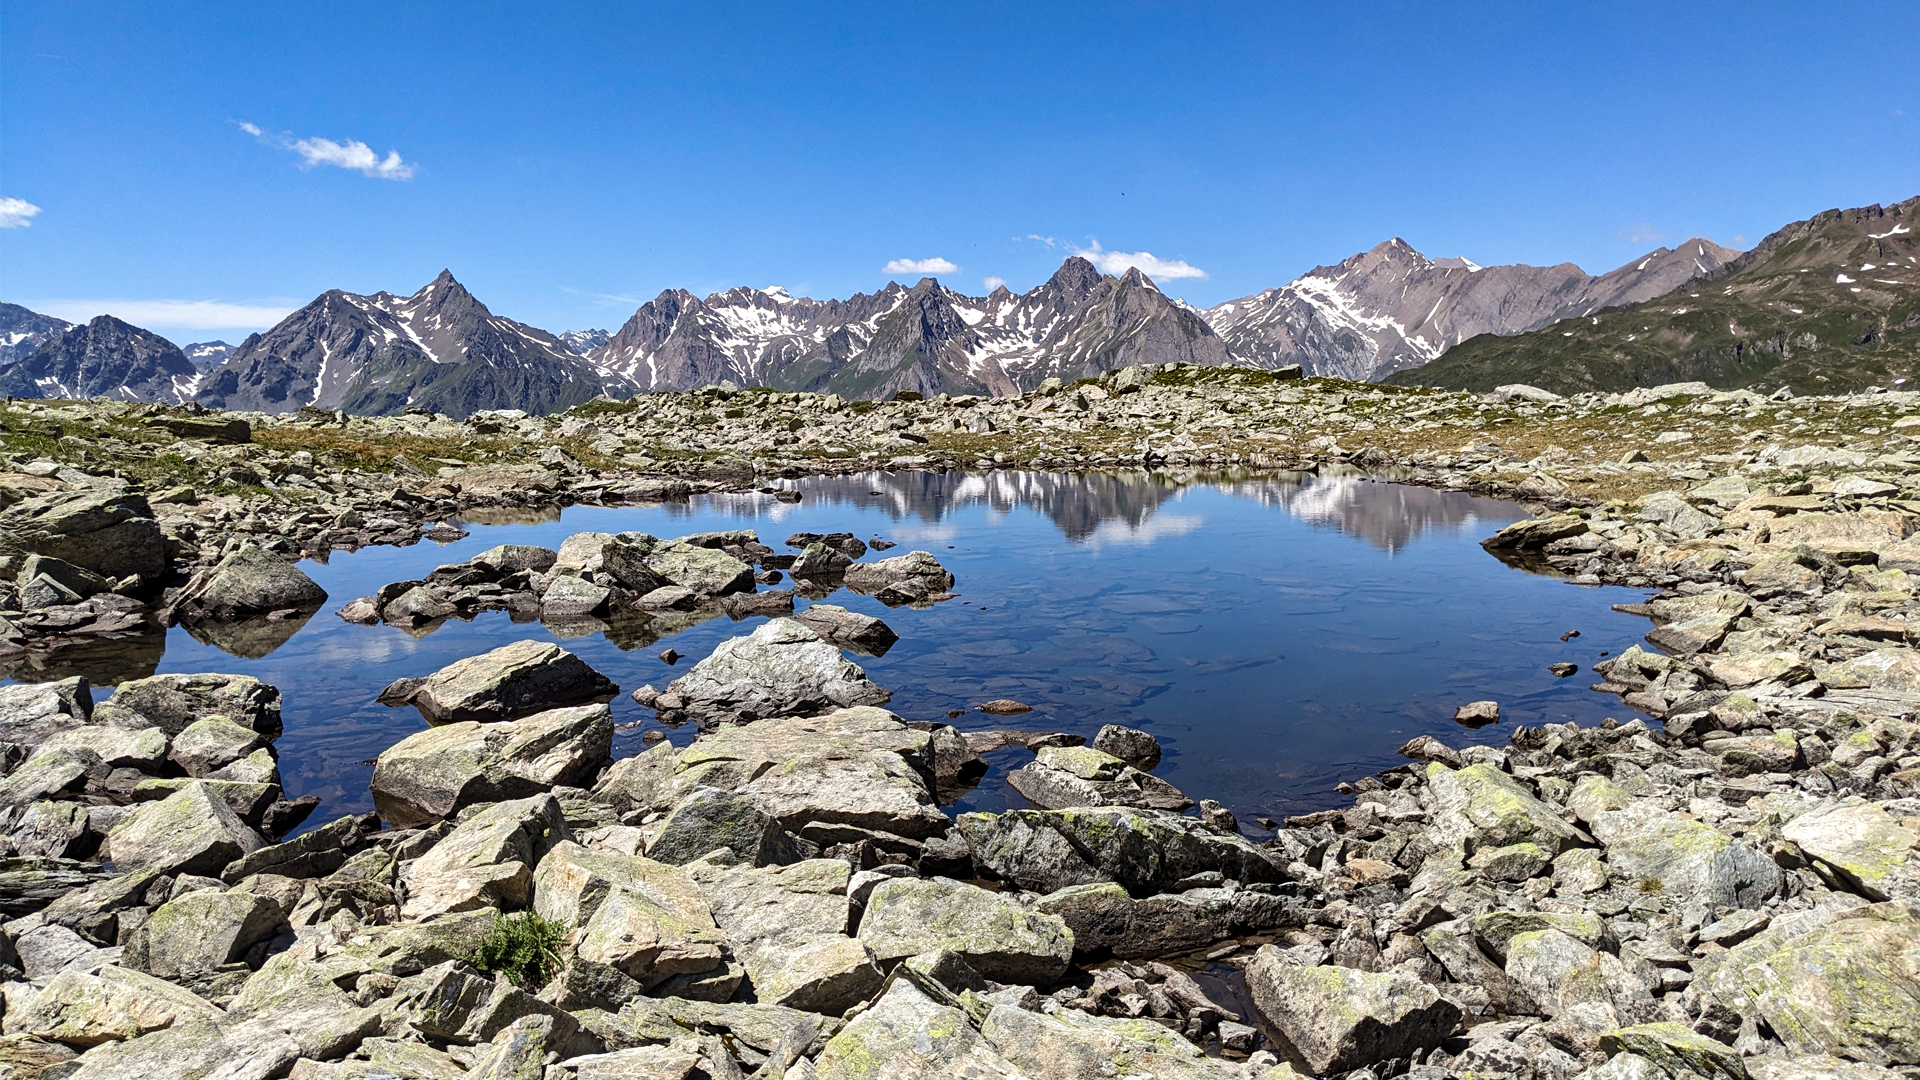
1279, 634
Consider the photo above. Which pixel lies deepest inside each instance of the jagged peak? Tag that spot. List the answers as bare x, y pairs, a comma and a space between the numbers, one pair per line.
1075, 276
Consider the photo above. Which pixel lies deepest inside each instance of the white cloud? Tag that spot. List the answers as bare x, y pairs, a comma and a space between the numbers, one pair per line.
1119, 262
16, 213
184, 314
935, 265
1047, 240
351, 154
992, 282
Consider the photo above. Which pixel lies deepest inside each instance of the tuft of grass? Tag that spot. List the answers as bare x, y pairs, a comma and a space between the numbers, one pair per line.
525, 947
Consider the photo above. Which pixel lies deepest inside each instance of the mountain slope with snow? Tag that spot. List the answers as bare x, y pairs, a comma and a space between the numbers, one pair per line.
105, 357
1391, 308
438, 349
925, 338
23, 330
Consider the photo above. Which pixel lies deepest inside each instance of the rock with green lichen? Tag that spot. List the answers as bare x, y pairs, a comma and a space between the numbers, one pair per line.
487, 861
1674, 1048
1859, 844
907, 1036
787, 925
1145, 851
994, 934
430, 774
1068, 1045
645, 918
201, 931
192, 831
1481, 807
88, 1008
1333, 1019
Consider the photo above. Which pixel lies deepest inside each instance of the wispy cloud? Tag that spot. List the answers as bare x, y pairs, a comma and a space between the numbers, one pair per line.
16, 213
186, 314
1047, 240
1119, 262
992, 282
352, 154
1642, 232
935, 265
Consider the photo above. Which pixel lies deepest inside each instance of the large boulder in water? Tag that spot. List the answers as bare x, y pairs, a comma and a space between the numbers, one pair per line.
250, 581
511, 681
429, 775
109, 533
908, 578
172, 702
781, 669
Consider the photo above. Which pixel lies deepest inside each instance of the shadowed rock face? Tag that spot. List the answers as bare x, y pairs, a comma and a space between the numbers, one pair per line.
103, 357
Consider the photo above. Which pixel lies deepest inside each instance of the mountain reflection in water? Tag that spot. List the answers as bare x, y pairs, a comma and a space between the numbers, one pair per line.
1278, 632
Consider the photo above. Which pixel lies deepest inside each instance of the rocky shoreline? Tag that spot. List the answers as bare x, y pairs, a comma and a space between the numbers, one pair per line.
1726, 893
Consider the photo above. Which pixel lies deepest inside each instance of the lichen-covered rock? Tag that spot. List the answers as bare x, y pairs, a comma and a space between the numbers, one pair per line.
172, 702
487, 861
88, 1008
704, 570
1481, 807
782, 668
913, 576
108, 533
202, 931
251, 580
1847, 985
1677, 856
509, 682
996, 936
1333, 1019
1145, 851
210, 744
710, 819
645, 918
30, 712
1674, 1049
848, 629
908, 1036
1858, 843
192, 831
787, 925
1070, 1045
430, 774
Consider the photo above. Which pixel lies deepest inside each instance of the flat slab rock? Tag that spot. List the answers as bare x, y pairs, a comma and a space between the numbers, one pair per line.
509, 682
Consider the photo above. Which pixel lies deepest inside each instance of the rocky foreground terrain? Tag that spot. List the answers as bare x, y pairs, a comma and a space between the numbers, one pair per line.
1729, 892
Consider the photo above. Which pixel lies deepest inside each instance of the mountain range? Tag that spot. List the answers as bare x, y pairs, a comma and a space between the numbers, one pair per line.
1825, 305
1828, 301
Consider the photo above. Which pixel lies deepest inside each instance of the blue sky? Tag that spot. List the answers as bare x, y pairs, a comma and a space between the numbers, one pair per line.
570, 162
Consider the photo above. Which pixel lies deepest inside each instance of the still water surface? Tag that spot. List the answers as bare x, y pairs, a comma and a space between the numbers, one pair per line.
1279, 634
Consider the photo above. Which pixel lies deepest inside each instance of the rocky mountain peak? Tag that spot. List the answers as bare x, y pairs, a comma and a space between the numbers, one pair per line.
1075, 278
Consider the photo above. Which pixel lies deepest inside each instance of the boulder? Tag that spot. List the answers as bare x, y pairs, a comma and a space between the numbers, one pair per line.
908, 1036
582, 553
507, 559
1070, 776
644, 918
171, 702
907, 578
485, 862
634, 782
848, 629
1131, 745
1144, 851
1071, 1045
1843, 982
1333, 1019
787, 925
250, 580
573, 598
1675, 1050
202, 931
828, 779
509, 682
709, 819
1677, 856
1857, 843
818, 561
781, 669
704, 570
1480, 806
85, 1009
111, 534
1106, 920
1855, 537
29, 712
206, 745
49, 772
133, 748
430, 774
996, 936
192, 831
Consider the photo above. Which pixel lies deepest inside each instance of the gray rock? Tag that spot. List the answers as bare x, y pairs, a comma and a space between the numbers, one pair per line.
487, 861
1145, 851
201, 931
818, 560
507, 559
113, 535
86, 1009
171, 702
625, 559
192, 831
206, 745
997, 937
573, 598
428, 775
709, 819
48, 949
251, 580
781, 669
645, 918
908, 1036
1131, 745
509, 682
1333, 1019
704, 570
1069, 1045
848, 629
49, 772
29, 712
913, 576
788, 925
1070, 776
133, 748
1105, 920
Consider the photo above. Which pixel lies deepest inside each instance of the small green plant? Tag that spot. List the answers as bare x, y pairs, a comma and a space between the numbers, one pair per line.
525, 947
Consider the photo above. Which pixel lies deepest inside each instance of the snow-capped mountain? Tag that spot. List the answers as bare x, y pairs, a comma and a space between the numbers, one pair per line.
1391, 308
105, 357
22, 331
926, 338
207, 355
439, 349
582, 342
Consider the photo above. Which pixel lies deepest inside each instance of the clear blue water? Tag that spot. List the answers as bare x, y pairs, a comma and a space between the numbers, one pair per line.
1278, 635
